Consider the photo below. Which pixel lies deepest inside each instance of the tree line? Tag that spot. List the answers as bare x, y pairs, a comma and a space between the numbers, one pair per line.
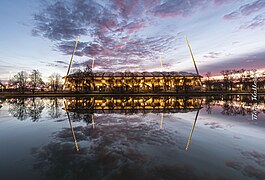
23, 81
241, 80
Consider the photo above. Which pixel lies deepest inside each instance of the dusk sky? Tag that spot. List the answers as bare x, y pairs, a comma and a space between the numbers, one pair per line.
131, 35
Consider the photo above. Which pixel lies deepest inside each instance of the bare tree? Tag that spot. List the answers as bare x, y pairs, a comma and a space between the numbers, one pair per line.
24, 108
36, 80
225, 79
20, 80
2, 86
35, 109
19, 109
242, 75
208, 75
55, 110
55, 81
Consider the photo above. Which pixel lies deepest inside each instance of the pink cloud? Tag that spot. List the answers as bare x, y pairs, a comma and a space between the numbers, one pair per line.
135, 26
126, 8
231, 16
252, 7
246, 10
256, 22
221, 2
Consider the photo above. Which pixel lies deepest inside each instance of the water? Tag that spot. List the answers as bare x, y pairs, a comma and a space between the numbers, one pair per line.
132, 138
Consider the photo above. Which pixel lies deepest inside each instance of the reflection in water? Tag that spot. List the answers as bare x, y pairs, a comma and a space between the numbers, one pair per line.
135, 138
72, 129
84, 107
19, 109
161, 121
1, 103
116, 149
55, 110
23, 108
135, 104
250, 169
130, 104
235, 105
93, 121
192, 129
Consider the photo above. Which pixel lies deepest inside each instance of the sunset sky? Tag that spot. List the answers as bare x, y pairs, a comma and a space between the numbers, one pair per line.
131, 35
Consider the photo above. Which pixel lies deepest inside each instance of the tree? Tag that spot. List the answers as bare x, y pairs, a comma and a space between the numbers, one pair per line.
19, 108
35, 109
208, 75
242, 75
225, 79
55, 110
24, 108
2, 86
36, 80
20, 80
55, 81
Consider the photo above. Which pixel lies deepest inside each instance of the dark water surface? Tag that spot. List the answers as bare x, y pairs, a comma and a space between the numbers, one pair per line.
132, 138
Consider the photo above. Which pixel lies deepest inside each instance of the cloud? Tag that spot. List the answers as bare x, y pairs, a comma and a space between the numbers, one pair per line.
248, 10
251, 171
231, 16
61, 62
212, 55
179, 8
127, 9
134, 26
246, 170
128, 53
253, 60
234, 164
66, 47
175, 8
213, 125
112, 27
221, 2
235, 42
58, 63
243, 166
114, 31
257, 22
54, 28
255, 156
111, 147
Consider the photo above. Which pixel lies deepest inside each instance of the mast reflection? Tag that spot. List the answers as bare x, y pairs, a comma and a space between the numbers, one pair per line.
192, 129
130, 105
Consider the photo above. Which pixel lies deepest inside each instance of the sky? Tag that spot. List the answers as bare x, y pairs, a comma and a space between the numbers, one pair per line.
131, 35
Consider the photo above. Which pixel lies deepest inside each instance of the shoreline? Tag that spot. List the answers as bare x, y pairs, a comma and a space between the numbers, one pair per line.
71, 94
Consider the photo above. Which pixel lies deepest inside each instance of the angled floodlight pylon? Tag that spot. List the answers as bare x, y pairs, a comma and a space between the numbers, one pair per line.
193, 59
72, 57
71, 60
